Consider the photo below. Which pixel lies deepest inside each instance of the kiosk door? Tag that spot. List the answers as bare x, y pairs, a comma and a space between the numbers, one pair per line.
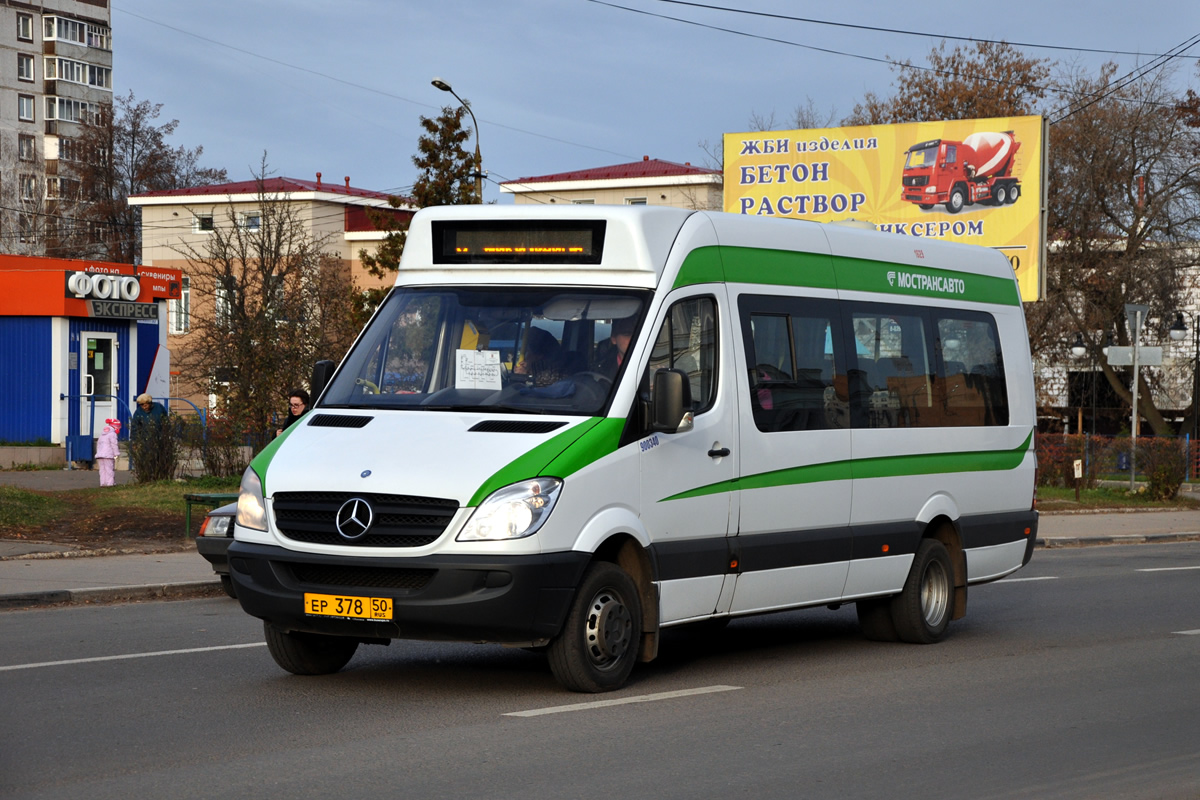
100, 381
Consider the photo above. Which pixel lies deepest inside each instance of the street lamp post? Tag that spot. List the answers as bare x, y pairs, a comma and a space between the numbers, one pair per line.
445, 87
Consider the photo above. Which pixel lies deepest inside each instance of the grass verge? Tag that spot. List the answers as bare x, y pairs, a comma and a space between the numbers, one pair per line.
165, 496
1053, 498
22, 509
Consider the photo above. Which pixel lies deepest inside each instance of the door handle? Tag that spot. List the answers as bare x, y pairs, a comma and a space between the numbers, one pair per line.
718, 453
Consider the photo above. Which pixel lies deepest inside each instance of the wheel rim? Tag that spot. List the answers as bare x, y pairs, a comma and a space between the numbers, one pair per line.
956, 201
608, 629
935, 595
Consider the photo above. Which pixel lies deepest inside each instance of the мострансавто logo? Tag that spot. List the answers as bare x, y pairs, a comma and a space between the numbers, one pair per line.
926, 283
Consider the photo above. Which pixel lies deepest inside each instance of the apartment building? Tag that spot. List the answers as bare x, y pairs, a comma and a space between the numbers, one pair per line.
333, 214
650, 181
55, 73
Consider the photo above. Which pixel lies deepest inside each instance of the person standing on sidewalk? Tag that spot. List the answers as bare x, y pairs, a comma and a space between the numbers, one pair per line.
107, 452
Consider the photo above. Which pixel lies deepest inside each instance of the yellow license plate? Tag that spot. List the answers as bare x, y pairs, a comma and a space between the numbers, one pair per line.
334, 605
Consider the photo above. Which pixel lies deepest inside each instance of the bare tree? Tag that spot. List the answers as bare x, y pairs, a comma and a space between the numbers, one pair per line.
1124, 219
276, 302
121, 152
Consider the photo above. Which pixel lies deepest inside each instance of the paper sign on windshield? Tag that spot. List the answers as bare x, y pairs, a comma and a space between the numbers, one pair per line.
477, 369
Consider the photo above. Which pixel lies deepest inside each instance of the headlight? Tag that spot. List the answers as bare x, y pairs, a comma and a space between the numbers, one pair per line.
252, 510
512, 512
930, 190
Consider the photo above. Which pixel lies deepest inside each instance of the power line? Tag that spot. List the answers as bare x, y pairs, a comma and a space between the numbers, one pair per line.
899, 31
363, 87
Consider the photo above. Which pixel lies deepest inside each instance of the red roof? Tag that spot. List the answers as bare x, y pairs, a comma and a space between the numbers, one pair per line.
270, 186
646, 168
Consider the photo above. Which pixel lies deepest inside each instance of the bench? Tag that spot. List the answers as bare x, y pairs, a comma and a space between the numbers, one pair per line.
212, 500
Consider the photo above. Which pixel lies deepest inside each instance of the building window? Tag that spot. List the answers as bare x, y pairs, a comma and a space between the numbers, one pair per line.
26, 147
99, 37
202, 223
25, 107
25, 27
584, 202
63, 30
28, 187
635, 201
68, 149
67, 110
24, 67
51, 188
180, 310
100, 77
251, 221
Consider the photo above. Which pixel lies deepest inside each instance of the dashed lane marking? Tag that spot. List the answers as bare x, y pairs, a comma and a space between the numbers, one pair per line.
1039, 578
641, 698
1167, 569
131, 655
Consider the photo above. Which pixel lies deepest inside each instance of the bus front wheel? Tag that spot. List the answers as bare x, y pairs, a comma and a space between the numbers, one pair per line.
598, 645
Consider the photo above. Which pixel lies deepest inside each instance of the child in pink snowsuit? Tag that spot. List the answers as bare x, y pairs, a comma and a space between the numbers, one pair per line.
106, 452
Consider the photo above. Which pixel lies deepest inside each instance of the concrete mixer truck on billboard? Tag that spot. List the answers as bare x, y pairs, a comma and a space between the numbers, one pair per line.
979, 169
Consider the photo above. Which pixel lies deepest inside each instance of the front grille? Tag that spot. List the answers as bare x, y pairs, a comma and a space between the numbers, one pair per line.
400, 520
361, 577
916, 180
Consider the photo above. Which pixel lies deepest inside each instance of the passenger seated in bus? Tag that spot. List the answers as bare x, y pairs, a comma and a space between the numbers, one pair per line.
611, 354
542, 361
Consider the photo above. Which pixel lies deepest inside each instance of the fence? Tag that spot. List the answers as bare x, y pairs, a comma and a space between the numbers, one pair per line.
1162, 458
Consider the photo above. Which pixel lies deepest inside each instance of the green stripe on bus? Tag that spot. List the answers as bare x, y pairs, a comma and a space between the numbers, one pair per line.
864, 468
719, 264
263, 460
558, 457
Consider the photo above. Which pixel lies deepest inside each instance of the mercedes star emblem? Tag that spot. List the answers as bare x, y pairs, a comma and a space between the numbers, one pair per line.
354, 518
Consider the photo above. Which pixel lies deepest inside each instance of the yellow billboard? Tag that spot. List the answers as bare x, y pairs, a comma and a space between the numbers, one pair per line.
978, 181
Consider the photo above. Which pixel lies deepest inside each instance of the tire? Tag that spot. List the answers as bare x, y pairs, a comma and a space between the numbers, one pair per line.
924, 206
923, 610
1014, 192
599, 642
309, 653
875, 619
1000, 195
227, 585
957, 200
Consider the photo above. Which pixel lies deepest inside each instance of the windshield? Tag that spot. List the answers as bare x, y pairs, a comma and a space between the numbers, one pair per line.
924, 157
509, 350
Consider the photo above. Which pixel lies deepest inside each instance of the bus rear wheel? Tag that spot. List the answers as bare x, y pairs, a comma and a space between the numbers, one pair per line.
598, 645
923, 609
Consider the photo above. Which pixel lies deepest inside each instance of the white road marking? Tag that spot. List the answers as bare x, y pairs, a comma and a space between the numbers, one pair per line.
642, 698
1187, 633
132, 655
1040, 578
1167, 569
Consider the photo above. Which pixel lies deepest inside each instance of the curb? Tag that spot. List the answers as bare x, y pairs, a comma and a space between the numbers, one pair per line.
113, 594
1132, 538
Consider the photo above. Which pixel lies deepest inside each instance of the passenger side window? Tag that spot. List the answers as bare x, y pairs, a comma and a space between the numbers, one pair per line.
970, 386
687, 341
793, 350
891, 381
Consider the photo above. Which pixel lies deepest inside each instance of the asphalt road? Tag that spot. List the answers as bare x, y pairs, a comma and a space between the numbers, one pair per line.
1079, 679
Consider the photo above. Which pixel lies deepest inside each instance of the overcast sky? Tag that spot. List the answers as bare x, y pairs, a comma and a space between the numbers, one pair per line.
337, 86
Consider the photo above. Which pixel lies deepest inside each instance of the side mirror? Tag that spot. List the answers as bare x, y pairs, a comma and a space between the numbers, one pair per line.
671, 411
322, 372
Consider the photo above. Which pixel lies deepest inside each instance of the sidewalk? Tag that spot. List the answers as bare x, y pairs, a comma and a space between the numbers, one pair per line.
35, 574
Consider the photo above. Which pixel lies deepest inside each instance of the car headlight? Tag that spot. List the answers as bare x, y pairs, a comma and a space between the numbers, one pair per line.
930, 190
512, 512
251, 508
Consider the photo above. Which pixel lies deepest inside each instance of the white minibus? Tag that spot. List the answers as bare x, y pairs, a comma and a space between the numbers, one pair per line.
569, 429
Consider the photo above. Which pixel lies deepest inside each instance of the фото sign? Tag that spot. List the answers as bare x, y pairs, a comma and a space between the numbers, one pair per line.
973, 181
103, 287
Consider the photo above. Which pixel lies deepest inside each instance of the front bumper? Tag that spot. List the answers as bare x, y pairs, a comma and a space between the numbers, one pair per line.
504, 599
214, 549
